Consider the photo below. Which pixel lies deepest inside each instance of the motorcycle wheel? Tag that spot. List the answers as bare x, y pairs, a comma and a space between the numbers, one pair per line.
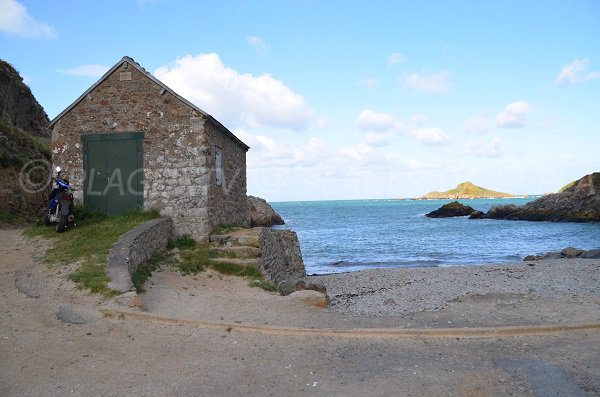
62, 224
47, 219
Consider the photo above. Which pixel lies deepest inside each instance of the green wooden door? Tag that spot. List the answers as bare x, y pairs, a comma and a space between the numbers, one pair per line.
113, 172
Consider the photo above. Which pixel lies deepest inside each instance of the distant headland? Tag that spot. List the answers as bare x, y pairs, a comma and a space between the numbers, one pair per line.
466, 190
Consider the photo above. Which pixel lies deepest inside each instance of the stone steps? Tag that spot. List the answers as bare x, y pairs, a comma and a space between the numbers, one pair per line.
240, 246
239, 251
246, 237
238, 261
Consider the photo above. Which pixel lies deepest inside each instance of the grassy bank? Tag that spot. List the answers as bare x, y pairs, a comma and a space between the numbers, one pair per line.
89, 244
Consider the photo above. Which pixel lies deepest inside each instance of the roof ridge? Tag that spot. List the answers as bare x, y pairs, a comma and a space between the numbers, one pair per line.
141, 69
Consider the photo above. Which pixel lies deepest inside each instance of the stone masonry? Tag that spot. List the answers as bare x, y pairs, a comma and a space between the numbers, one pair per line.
134, 248
281, 259
179, 148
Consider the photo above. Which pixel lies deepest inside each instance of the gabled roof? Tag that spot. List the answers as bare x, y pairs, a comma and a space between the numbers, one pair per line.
133, 63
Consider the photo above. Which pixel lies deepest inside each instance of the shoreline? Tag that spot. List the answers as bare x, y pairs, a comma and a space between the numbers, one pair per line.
425, 266
540, 292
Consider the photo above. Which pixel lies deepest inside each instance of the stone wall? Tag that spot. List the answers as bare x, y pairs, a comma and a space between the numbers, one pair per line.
179, 143
281, 259
227, 202
136, 247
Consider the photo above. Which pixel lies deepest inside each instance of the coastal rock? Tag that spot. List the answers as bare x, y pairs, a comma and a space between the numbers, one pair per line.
591, 254
577, 203
290, 285
19, 106
260, 213
476, 215
551, 255
501, 211
450, 210
311, 298
566, 253
24, 147
571, 252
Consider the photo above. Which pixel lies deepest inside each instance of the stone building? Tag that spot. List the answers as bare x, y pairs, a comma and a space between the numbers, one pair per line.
130, 141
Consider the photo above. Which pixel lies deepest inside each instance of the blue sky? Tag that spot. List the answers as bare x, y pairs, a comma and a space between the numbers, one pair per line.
348, 99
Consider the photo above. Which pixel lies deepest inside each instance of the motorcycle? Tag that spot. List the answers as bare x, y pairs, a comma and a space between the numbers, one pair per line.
60, 204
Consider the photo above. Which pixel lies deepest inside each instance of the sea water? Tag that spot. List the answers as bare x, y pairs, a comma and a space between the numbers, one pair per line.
341, 236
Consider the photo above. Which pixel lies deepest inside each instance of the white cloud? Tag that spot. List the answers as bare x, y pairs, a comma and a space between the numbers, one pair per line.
418, 119
267, 152
514, 115
431, 136
477, 124
493, 148
291, 171
234, 98
395, 59
576, 72
381, 127
437, 83
416, 165
15, 20
379, 138
259, 45
95, 71
369, 120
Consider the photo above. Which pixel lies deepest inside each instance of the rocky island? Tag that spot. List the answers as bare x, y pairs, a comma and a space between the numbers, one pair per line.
577, 202
466, 190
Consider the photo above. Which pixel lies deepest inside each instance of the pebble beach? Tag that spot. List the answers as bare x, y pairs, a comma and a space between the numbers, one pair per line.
550, 291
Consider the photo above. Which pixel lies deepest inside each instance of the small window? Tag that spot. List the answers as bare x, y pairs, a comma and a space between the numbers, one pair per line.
218, 166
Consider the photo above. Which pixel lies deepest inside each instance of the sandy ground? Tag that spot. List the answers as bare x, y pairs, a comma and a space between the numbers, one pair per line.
204, 349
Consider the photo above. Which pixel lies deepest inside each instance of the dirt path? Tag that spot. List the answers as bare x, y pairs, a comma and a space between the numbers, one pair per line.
93, 355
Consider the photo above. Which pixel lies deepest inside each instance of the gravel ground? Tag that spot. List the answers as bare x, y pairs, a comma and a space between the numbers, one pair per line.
55, 341
553, 291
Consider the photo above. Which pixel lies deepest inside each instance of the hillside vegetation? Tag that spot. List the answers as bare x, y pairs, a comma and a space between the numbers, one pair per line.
466, 190
24, 148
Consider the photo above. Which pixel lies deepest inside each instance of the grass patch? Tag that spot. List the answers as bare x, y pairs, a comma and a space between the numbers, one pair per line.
93, 276
195, 258
183, 242
14, 219
261, 283
144, 271
89, 243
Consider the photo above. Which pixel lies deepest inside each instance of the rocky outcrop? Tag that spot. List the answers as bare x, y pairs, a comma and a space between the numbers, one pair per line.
18, 105
476, 215
578, 203
24, 147
566, 253
260, 213
451, 210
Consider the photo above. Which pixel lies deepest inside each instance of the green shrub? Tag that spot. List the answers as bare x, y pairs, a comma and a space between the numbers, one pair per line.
182, 242
144, 271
